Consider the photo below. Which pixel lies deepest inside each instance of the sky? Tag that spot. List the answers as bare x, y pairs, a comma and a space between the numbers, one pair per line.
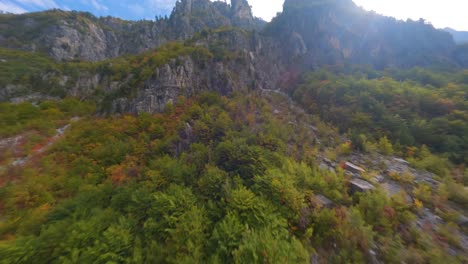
441, 13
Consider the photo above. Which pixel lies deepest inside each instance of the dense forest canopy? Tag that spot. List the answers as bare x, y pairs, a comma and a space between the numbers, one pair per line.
211, 180
412, 108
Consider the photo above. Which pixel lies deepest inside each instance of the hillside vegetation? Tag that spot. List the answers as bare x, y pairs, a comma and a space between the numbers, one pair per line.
412, 108
213, 180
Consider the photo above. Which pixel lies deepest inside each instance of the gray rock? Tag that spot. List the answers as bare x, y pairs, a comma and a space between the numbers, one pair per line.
379, 179
324, 201
358, 185
402, 161
353, 168
426, 216
463, 221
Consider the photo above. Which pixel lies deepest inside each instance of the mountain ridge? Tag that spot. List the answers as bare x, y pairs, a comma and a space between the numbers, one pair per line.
352, 34
212, 54
75, 35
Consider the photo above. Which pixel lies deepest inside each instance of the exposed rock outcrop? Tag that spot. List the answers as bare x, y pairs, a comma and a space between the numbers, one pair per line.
185, 76
246, 61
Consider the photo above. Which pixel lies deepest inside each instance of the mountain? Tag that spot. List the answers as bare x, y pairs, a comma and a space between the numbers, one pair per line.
320, 31
81, 36
338, 31
239, 50
460, 37
329, 135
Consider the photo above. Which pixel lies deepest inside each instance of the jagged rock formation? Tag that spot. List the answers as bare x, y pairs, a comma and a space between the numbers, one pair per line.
241, 13
77, 35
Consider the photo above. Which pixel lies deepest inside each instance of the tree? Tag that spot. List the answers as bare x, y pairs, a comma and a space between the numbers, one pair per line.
385, 147
270, 246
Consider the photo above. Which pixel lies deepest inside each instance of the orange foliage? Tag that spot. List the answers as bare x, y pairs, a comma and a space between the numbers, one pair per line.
45, 207
117, 174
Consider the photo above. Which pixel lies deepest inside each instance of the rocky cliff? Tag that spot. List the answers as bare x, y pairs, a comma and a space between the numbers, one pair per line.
244, 65
223, 60
69, 36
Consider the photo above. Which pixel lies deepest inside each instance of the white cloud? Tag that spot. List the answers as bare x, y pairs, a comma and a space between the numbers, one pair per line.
161, 4
137, 9
99, 6
8, 7
46, 4
96, 5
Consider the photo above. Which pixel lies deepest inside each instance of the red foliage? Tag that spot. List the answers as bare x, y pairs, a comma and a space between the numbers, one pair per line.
389, 212
39, 147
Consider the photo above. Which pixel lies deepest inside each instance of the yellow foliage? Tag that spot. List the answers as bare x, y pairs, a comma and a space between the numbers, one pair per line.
345, 148
418, 204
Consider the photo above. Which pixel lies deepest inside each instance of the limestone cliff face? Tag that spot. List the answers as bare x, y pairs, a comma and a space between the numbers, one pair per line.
241, 13
68, 43
185, 76
72, 35
246, 62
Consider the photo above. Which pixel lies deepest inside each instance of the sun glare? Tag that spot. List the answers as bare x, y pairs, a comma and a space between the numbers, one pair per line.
446, 13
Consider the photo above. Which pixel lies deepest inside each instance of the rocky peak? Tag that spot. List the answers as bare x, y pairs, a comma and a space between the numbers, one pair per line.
188, 7
241, 10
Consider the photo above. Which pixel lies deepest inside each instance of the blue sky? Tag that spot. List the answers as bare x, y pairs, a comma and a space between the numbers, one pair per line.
127, 9
442, 13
